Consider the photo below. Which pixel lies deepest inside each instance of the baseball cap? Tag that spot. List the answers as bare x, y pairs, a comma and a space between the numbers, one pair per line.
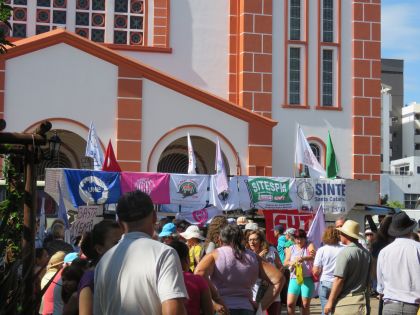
291, 231
68, 259
167, 230
251, 226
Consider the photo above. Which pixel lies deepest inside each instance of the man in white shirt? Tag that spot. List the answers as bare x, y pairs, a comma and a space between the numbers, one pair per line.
398, 269
139, 275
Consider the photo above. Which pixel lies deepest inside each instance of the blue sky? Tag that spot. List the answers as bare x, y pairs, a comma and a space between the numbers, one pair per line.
401, 40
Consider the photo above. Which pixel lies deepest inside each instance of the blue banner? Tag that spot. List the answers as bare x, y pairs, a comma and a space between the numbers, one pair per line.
92, 187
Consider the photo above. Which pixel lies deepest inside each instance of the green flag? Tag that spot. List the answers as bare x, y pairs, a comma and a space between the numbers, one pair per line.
332, 165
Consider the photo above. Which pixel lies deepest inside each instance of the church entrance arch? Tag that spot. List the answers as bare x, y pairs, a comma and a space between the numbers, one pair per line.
170, 153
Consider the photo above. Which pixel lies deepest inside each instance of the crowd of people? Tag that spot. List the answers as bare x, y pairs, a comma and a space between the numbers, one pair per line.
137, 265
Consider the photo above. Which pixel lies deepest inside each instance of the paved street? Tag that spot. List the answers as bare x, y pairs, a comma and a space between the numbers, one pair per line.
316, 307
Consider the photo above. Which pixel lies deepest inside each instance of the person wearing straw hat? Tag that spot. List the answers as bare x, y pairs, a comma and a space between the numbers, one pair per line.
193, 236
398, 270
351, 274
241, 222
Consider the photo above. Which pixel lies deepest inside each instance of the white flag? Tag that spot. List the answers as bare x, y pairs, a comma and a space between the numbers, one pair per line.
305, 156
221, 177
93, 148
317, 227
191, 157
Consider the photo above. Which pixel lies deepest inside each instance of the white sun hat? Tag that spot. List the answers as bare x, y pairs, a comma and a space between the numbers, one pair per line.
192, 232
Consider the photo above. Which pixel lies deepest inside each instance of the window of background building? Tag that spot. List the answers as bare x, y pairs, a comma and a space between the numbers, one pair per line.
328, 21
417, 146
410, 200
294, 75
295, 19
417, 132
327, 77
404, 170
418, 169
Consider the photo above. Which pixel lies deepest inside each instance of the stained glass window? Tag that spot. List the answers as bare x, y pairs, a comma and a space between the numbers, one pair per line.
328, 20
295, 19
327, 77
129, 22
86, 18
18, 20
294, 75
50, 14
90, 19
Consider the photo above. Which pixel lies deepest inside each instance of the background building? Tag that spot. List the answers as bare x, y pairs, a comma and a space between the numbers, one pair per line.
148, 72
411, 130
386, 125
392, 74
403, 184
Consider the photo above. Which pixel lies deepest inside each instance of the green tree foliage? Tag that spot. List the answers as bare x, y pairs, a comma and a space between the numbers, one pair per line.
395, 204
5, 13
11, 229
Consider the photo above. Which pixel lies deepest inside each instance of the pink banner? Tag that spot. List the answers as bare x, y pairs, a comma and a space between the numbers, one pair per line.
288, 218
156, 185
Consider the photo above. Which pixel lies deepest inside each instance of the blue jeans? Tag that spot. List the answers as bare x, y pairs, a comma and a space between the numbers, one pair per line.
324, 293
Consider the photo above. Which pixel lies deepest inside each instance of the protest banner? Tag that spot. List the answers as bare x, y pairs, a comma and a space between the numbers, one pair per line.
189, 190
288, 218
200, 216
265, 192
87, 187
331, 194
228, 199
156, 185
84, 221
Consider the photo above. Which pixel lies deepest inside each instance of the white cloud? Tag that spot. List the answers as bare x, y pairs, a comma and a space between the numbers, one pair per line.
400, 29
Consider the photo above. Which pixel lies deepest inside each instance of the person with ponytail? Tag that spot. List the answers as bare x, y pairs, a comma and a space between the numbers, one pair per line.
231, 271
104, 235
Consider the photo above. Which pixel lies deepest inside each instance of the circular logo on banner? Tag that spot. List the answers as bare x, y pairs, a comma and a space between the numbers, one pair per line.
145, 185
305, 190
200, 215
187, 188
93, 190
